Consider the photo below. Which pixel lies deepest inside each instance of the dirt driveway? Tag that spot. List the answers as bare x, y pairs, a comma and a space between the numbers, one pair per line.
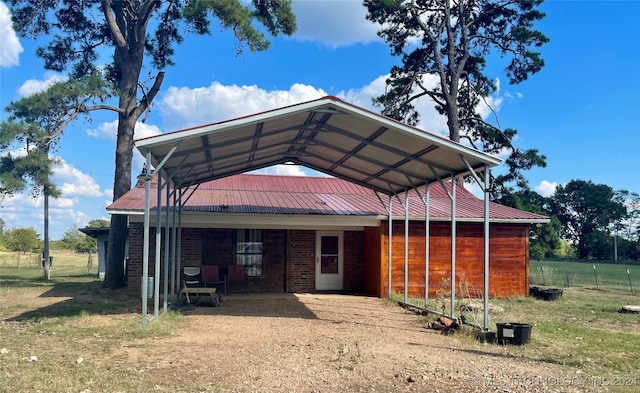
333, 343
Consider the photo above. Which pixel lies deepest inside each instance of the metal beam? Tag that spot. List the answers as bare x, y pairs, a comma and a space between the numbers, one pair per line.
145, 241
406, 246
487, 179
453, 246
390, 240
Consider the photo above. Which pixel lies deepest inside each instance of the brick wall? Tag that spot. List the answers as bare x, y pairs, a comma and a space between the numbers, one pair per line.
274, 259
301, 270
190, 256
289, 257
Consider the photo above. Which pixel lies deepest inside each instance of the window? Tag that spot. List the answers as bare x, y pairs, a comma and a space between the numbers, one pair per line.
249, 251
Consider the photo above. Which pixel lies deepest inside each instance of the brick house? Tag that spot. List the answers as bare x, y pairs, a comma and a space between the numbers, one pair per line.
309, 234
291, 219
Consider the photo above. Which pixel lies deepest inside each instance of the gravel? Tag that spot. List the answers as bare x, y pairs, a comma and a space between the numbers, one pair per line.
334, 343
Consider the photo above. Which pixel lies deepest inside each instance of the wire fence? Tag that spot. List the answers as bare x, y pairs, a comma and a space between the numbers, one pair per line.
21, 260
608, 276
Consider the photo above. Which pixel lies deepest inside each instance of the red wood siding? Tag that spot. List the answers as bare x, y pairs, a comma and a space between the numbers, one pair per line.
372, 255
508, 262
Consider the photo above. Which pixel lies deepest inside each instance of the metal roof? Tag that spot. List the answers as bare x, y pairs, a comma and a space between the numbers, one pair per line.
327, 135
296, 195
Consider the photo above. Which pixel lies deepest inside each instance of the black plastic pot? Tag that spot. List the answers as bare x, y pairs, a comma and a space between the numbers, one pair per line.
486, 336
549, 294
513, 333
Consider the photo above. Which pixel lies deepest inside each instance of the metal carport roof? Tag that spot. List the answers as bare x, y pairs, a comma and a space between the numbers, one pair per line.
327, 135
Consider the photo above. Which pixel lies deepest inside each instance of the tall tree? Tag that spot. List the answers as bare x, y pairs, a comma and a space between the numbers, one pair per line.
80, 29
586, 211
37, 122
77, 241
629, 226
452, 39
21, 239
544, 239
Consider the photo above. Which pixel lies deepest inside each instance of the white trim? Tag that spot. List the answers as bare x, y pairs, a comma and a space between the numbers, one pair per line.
272, 221
282, 221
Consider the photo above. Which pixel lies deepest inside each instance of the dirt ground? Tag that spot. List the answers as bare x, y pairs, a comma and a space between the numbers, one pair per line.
332, 343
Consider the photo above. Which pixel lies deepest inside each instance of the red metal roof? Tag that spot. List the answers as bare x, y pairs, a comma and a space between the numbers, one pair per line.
297, 195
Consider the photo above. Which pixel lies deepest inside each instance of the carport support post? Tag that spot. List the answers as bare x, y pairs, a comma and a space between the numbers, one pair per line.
487, 175
390, 240
173, 249
179, 245
426, 246
145, 242
165, 276
453, 246
156, 292
406, 245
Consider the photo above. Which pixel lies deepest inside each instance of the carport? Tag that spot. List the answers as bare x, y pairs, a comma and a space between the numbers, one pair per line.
327, 135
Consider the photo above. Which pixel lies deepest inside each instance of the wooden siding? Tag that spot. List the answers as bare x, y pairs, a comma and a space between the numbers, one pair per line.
508, 262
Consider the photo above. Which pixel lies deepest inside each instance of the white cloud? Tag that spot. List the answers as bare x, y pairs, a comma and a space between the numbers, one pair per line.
33, 86
430, 119
333, 23
63, 203
546, 188
109, 131
10, 48
184, 107
75, 183
23, 211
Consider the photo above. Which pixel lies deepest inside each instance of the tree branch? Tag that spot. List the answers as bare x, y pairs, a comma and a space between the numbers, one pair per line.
146, 100
118, 37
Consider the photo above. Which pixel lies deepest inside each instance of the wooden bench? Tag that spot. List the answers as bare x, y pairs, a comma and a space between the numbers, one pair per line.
186, 291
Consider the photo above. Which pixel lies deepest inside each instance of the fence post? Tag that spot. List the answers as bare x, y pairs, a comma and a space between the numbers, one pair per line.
596, 276
630, 284
566, 274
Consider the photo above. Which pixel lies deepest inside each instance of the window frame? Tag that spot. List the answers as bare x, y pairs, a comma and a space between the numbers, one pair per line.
246, 251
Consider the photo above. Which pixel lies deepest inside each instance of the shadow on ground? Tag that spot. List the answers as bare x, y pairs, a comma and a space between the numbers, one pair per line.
78, 296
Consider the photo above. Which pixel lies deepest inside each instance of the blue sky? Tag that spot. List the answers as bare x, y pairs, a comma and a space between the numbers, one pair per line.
582, 111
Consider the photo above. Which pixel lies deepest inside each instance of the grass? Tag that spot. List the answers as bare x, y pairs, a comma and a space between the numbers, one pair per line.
611, 276
583, 329
74, 329
81, 333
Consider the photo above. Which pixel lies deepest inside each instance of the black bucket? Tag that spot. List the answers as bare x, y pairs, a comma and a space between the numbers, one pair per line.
513, 333
549, 294
486, 336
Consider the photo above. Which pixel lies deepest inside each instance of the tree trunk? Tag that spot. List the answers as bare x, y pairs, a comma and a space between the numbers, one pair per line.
128, 61
115, 271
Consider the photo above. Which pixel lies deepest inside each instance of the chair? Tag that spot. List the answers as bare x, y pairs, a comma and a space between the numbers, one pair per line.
191, 275
190, 278
211, 275
237, 275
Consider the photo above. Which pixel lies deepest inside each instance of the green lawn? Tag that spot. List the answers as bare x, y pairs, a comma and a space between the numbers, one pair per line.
610, 276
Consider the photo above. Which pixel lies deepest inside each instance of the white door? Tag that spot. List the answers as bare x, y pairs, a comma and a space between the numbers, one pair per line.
329, 264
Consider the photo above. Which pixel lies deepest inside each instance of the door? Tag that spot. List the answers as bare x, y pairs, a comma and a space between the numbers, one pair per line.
329, 261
